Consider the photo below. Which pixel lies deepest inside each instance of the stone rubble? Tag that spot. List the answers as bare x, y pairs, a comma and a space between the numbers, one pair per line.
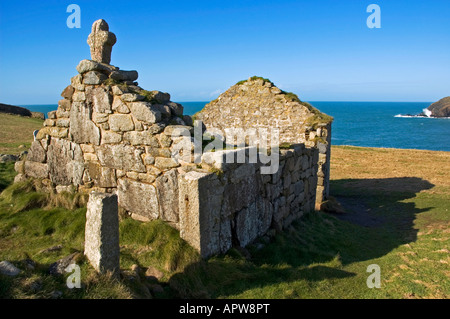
8, 269
5, 158
59, 267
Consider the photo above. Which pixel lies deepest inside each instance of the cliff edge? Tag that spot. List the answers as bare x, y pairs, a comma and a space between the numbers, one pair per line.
18, 110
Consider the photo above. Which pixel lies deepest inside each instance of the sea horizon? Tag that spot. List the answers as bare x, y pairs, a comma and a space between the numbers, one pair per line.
365, 124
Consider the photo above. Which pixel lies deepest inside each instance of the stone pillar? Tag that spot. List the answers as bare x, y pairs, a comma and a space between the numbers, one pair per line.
101, 42
200, 198
101, 245
323, 185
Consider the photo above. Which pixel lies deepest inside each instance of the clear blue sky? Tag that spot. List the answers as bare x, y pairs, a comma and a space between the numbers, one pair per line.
322, 50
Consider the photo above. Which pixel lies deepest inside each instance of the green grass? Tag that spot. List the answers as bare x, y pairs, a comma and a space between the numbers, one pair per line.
317, 118
157, 244
15, 131
320, 256
148, 96
32, 221
26, 229
7, 174
324, 257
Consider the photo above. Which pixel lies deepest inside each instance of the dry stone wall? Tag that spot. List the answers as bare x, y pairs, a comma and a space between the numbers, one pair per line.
108, 136
239, 204
258, 103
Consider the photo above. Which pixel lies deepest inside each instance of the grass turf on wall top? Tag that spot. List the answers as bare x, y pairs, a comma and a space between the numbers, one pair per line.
317, 118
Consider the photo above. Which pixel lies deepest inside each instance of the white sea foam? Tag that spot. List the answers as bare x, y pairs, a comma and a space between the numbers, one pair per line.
401, 115
427, 112
419, 116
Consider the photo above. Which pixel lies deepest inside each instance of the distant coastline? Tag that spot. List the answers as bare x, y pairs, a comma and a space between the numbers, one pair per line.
19, 110
439, 109
366, 124
190, 108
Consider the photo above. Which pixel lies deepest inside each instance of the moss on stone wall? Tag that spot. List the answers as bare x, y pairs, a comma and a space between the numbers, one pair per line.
318, 139
110, 81
254, 78
285, 145
317, 119
149, 96
291, 97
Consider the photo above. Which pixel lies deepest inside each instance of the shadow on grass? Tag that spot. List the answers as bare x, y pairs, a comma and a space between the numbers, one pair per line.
379, 219
222, 277
382, 204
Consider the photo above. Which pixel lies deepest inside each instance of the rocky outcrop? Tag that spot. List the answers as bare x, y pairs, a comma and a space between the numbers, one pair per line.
5, 158
8, 269
440, 108
12, 109
18, 110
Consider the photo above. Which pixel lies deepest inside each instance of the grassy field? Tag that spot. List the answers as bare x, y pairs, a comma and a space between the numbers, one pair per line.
397, 216
15, 131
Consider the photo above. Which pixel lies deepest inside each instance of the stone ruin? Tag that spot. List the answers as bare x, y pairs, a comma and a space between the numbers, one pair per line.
258, 103
108, 135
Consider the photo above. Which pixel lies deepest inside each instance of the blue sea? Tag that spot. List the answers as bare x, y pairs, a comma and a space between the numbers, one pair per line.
371, 124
